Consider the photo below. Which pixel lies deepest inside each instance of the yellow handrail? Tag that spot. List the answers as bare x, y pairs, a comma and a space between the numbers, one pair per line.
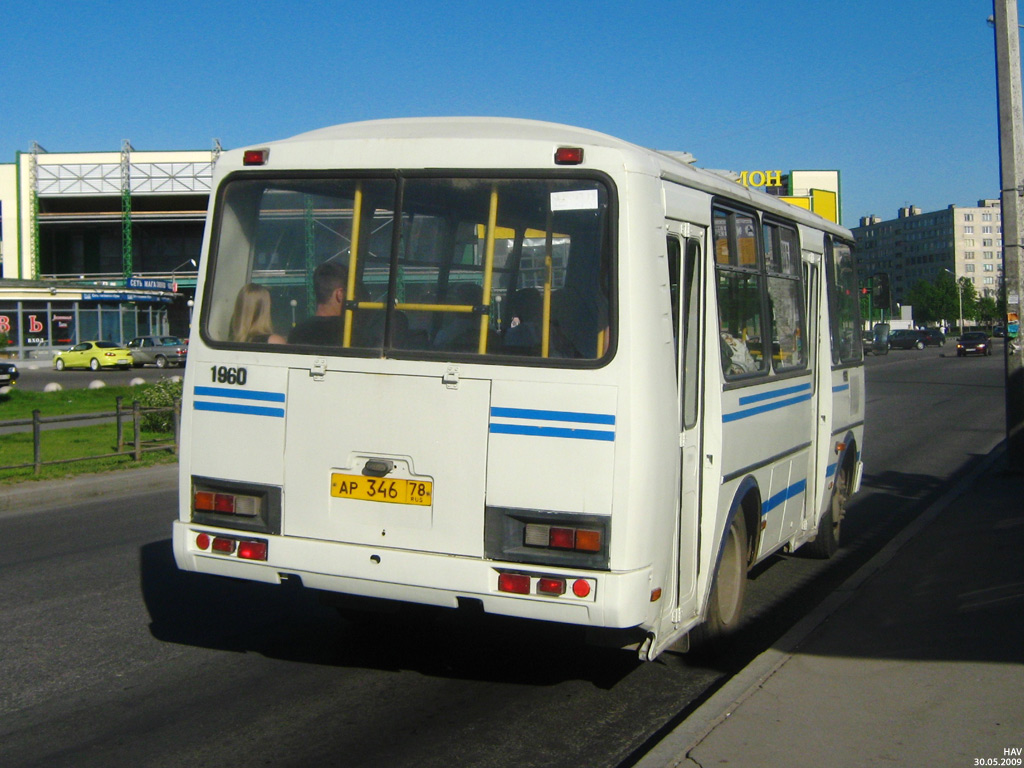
357, 215
492, 223
545, 329
463, 308
545, 332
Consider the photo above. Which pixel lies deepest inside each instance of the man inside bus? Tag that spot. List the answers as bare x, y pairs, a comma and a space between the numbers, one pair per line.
327, 325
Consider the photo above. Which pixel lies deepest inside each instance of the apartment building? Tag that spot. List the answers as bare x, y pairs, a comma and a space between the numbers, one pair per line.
916, 246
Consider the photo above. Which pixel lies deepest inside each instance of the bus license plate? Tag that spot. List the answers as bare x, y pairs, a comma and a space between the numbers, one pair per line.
385, 489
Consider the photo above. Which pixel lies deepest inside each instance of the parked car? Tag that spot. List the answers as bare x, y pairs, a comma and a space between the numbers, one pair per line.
160, 351
999, 331
8, 374
973, 343
933, 337
94, 355
906, 339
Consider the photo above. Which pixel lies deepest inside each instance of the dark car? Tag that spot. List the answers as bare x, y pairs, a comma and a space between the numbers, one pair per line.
160, 351
999, 331
8, 374
933, 337
973, 343
906, 339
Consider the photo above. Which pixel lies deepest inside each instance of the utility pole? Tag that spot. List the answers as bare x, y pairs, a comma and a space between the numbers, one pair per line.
1011, 186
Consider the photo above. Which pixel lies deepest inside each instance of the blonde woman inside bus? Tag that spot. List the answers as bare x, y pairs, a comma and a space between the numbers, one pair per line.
251, 319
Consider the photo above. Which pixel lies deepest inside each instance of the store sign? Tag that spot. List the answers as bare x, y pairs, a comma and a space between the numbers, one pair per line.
145, 284
761, 178
33, 325
140, 298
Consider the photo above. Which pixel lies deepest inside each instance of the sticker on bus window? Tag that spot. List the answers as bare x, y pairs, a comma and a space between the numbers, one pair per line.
580, 200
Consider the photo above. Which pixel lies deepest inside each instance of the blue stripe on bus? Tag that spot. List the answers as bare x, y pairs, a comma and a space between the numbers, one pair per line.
737, 415
239, 394
841, 388
831, 469
774, 394
786, 493
569, 432
247, 410
528, 413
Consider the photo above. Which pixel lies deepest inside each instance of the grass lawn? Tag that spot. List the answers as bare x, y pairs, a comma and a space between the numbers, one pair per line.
77, 441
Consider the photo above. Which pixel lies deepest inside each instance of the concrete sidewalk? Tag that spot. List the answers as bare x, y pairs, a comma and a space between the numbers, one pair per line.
917, 661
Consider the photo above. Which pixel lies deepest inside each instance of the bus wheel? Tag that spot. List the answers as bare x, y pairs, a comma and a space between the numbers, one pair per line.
826, 543
725, 605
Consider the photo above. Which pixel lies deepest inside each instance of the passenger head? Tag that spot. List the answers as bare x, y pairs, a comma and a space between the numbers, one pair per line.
251, 318
329, 281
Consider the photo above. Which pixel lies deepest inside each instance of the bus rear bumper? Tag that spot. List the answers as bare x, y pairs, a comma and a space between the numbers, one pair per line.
589, 598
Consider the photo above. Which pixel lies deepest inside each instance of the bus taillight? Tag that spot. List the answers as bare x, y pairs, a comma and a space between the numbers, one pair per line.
226, 503
549, 585
517, 583
252, 550
243, 549
558, 537
545, 585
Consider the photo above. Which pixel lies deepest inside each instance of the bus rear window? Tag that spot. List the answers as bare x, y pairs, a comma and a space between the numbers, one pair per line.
413, 266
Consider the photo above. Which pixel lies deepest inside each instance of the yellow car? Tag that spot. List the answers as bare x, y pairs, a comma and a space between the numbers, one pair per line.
94, 355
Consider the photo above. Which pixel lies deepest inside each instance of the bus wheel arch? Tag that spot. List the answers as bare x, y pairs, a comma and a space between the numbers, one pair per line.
729, 582
826, 543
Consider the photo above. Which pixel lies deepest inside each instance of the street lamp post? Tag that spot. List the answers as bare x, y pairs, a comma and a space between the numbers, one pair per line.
960, 295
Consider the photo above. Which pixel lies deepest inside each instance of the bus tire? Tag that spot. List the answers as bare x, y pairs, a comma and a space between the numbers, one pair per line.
725, 605
826, 543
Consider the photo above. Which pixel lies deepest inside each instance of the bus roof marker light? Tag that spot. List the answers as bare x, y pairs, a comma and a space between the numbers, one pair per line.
255, 156
569, 156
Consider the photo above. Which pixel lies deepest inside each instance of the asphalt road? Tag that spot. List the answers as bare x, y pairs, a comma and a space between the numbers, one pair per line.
109, 656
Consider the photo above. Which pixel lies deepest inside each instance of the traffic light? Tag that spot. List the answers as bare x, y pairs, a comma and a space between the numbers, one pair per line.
880, 295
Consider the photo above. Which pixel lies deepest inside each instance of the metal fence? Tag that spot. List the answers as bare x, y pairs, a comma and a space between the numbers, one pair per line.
127, 419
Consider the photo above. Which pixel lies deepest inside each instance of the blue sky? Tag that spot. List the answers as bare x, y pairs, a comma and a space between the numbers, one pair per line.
899, 95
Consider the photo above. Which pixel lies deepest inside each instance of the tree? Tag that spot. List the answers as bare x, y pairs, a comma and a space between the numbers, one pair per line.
970, 298
922, 297
988, 311
946, 304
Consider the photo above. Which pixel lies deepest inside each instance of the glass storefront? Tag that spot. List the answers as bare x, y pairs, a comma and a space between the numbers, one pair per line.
34, 329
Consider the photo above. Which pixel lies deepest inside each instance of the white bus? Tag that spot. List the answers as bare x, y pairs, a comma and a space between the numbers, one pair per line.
515, 366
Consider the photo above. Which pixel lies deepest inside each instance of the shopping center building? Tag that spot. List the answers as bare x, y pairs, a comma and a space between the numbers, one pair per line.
99, 245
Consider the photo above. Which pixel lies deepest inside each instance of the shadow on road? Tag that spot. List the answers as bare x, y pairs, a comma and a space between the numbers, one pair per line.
291, 624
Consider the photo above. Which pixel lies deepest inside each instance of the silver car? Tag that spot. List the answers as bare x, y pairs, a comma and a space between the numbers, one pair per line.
160, 351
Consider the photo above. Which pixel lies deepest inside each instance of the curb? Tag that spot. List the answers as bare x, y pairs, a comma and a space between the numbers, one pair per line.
31, 496
673, 750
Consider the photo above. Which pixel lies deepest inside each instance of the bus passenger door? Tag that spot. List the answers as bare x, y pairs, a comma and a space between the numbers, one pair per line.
686, 275
818, 361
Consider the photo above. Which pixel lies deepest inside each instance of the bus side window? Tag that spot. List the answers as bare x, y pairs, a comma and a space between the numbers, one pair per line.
740, 309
